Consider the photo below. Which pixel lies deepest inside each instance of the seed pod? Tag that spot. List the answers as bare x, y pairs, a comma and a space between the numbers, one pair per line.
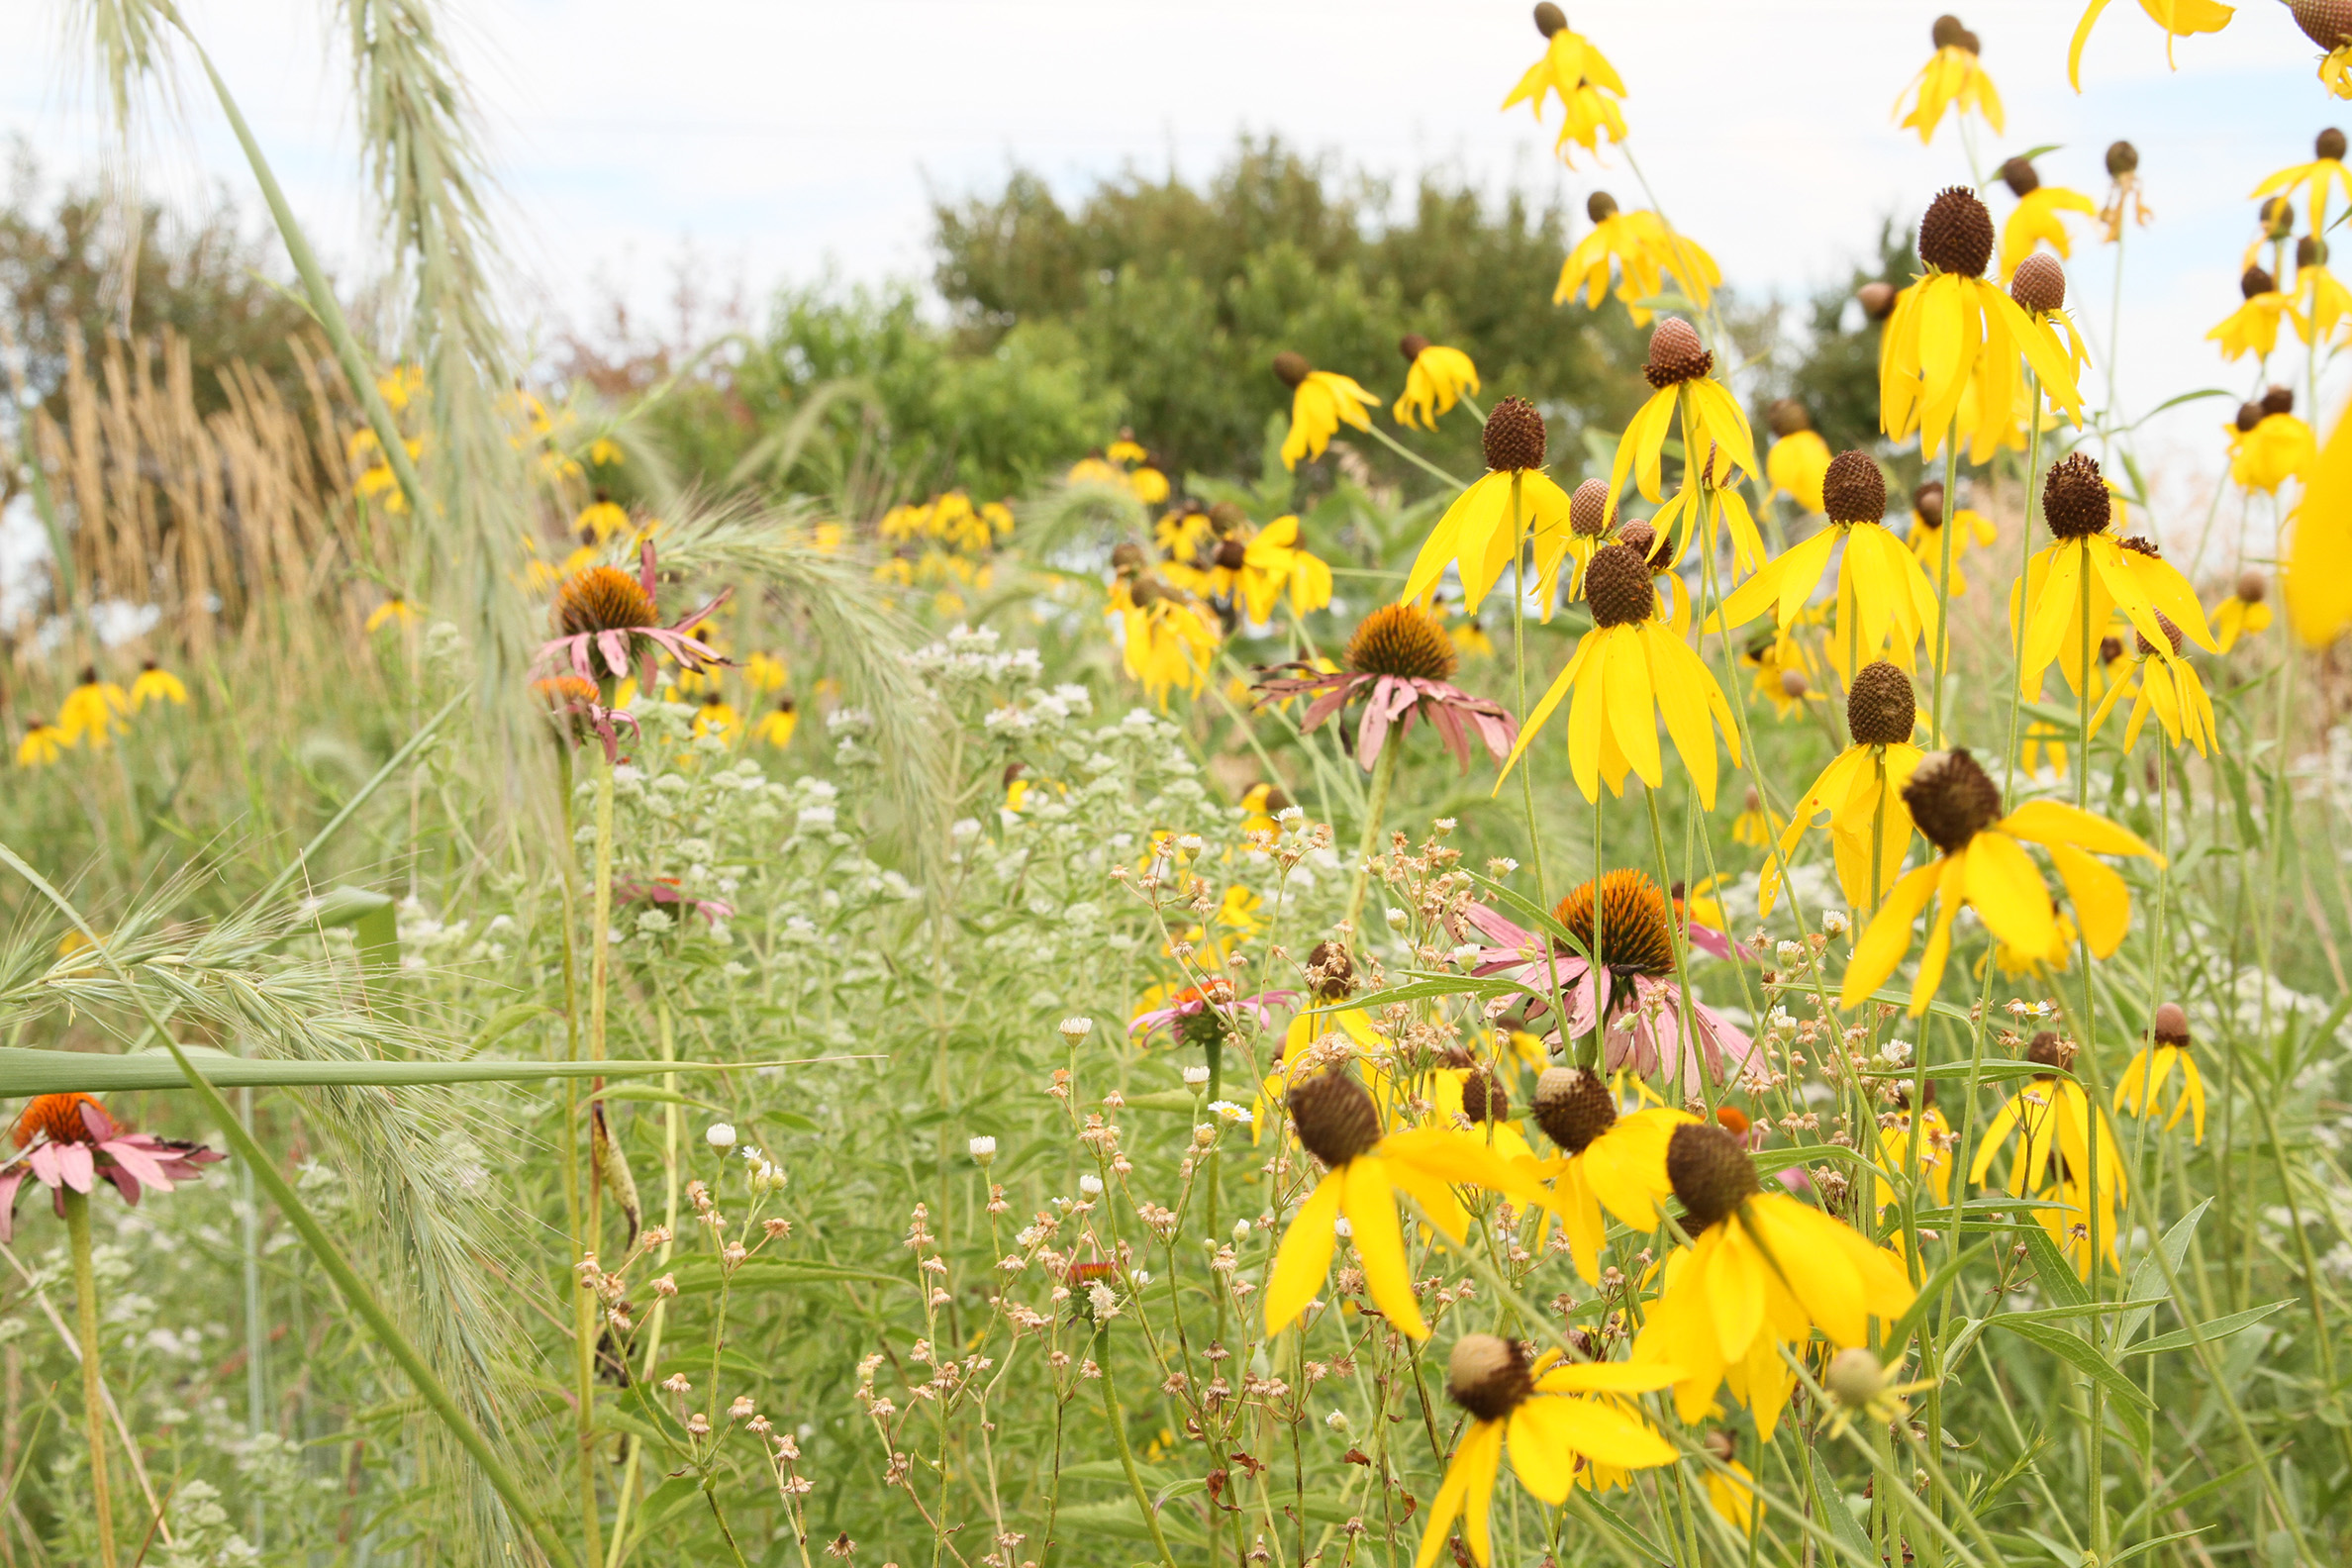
1956, 235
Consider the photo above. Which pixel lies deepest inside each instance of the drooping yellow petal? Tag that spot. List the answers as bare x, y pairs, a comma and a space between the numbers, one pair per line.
1370, 1204
1888, 936
1304, 1261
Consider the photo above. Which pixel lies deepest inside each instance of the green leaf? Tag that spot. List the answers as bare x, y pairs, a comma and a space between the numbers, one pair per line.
2148, 1278
1933, 1291
505, 1022
1835, 1514
2218, 1328
703, 1275
2077, 1352
2057, 1276
28, 1070
1119, 1517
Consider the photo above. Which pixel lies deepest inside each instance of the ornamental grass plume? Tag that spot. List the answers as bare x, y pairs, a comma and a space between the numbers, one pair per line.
1953, 331
1397, 663
1762, 1271
1321, 402
1981, 861
1627, 673
1491, 525
1954, 77
1539, 1407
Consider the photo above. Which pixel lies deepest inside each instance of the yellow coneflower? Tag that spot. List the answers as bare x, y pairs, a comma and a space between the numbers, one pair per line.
1731, 1496
2152, 1067
2319, 569
393, 609
1859, 795
2253, 328
2178, 18
2245, 613
93, 710
1606, 1161
1763, 1271
1576, 72
1646, 250
1884, 600
1321, 402
156, 684
2328, 24
1797, 460
1490, 522
42, 743
1627, 672
716, 717
1275, 564
1753, 825
1534, 1405
1899, 1130
1337, 1122
765, 672
2052, 1118
1952, 77
1167, 642
2268, 444
600, 520
1183, 532
2124, 198
2126, 575
1435, 377
1977, 334
1678, 370
2043, 745
2326, 169
1982, 862
2325, 299
1786, 674
1976, 531
2169, 687
2034, 221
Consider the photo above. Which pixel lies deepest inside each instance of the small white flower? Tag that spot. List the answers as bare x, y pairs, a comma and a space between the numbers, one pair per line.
1291, 816
983, 1149
721, 1137
1240, 1231
1190, 843
1467, 954
1789, 954
1091, 1185
1075, 1030
1142, 1276
1896, 1052
1337, 1421
1398, 920
1342, 1229
1834, 923
1230, 1111
1195, 1076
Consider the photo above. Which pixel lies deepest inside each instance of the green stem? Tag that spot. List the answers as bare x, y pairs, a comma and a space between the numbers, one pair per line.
1127, 1455
1383, 773
85, 1325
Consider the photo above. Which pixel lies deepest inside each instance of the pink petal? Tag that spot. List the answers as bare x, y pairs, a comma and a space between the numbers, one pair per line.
140, 1162
46, 1163
10, 1180
124, 1182
1499, 929
615, 649
101, 1126
76, 1166
1325, 706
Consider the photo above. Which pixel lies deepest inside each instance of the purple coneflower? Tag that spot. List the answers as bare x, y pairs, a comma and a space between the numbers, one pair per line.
1200, 1014
1398, 661
603, 611
73, 1143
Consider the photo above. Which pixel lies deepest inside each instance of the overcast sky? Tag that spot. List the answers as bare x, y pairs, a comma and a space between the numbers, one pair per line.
783, 138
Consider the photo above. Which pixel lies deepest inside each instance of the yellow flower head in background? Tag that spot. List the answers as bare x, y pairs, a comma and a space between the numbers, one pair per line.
1763, 1271
391, 610
2325, 170
775, 727
1338, 1122
2035, 219
2127, 575
1435, 377
2268, 444
600, 520
2052, 1118
717, 717
2152, 1069
1321, 402
2330, 27
1167, 640
93, 710
2169, 687
1953, 78
1534, 1405
42, 743
1645, 252
1786, 674
2253, 328
2178, 18
1953, 329
1492, 523
1576, 72
2245, 613
765, 672
1630, 672
1982, 862
1859, 795
1798, 459
1973, 529
1607, 1161
1934, 1156
1679, 370
159, 685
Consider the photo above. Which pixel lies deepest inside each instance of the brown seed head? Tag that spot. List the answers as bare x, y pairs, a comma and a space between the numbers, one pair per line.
1291, 368
1675, 354
1549, 19
1488, 1376
1572, 1106
1878, 300
1880, 707
1601, 207
2164, 624
1145, 590
1330, 971
1483, 1097
1589, 512
2278, 400
2040, 283
1231, 553
602, 599
2075, 498
1411, 345
1787, 417
2326, 23
1929, 502
1514, 437
2249, 415
1334, 1117
2329, 143
1401, 639
2047, 1050
1956, 235
1636, 923
1952, 799
1854, 490
1228, 515
2255, 281
2122, 158
2019, 175
2170, 1025
2251, 587
1947, 32
1641, 536
1792, 684
1710, 1170
1618, 586
2110, 648
1126, 558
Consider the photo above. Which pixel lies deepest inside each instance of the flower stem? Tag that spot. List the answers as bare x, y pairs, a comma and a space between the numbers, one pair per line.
1383, 773
1127, 1455
600, 954
85, 1325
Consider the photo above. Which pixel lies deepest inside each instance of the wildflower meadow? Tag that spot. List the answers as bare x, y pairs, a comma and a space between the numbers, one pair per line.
1454, 897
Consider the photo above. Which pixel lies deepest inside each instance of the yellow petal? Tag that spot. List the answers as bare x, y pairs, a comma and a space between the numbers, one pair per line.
1304, 1259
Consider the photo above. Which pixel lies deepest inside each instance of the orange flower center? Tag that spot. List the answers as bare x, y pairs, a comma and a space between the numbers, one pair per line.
57, 1115
1636, 924
602, 599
